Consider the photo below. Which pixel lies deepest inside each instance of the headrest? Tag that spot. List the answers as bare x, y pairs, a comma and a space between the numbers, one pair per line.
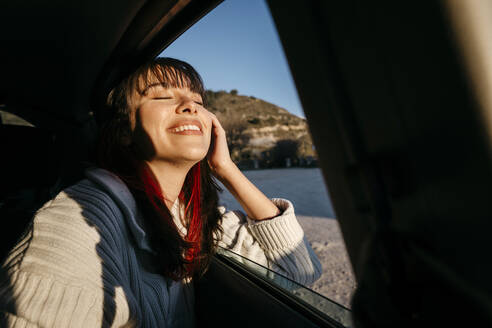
28, 159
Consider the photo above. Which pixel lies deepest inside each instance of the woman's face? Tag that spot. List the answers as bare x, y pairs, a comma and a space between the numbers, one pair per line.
172, 125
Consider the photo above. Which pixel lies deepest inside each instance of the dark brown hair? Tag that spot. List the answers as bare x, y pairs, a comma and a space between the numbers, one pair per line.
117, 152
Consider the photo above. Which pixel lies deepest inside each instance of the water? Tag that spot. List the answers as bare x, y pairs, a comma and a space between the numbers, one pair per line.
304, 187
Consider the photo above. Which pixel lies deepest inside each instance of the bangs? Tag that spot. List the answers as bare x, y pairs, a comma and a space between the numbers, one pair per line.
169, 73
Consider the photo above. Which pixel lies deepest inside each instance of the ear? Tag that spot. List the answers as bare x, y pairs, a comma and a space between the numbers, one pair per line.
128, 124
123, 131
126, 139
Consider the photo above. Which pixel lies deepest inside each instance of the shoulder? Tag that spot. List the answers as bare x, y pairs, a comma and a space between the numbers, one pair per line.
73, 236
83, 207
101, 200
76, 247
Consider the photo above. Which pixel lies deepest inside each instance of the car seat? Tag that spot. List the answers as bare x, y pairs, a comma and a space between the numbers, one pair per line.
29, 171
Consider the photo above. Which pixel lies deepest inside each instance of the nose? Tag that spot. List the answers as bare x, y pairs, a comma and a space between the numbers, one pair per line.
187, 106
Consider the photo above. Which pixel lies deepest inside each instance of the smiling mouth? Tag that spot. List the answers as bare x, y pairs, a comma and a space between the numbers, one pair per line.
187, 130
188, 127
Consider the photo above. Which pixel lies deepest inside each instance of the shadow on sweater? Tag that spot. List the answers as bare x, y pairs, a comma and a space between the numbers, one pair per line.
110, 254
9, 307
6, 298
111, 280
17, 234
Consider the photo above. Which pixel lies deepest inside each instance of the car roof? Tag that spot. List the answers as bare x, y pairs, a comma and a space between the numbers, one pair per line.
74, 46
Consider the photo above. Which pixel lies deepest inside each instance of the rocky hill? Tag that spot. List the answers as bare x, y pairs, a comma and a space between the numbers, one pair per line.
258, 130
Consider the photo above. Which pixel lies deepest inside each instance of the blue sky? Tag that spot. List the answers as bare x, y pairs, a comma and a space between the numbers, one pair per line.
236, 46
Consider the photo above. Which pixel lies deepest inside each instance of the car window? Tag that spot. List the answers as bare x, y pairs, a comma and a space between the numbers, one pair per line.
332, 309
11, 119
237, 51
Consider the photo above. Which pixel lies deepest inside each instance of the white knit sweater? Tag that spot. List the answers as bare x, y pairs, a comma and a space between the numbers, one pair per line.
84, 261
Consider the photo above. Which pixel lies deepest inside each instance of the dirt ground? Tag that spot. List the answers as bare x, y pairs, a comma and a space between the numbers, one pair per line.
337, 281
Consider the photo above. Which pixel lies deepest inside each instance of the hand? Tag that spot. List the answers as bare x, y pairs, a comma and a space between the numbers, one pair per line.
254, 202
218, 155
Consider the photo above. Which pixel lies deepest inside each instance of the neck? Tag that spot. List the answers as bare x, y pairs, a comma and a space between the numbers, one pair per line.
171, 178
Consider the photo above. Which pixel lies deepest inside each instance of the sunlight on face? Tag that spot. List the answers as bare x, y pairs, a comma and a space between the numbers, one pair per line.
172, 125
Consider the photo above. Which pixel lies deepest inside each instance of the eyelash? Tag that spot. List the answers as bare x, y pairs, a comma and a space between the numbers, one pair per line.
167, 98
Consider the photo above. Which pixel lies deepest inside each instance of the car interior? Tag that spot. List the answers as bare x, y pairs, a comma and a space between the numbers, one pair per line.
396, 97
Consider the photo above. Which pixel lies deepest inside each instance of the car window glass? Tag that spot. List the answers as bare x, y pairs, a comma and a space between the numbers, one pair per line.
237, 51
11, 119
332, 309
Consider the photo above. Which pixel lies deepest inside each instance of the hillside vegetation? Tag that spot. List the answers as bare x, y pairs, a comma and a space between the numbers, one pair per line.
258, 130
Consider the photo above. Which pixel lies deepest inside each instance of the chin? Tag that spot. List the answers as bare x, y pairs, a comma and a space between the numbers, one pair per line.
193, 156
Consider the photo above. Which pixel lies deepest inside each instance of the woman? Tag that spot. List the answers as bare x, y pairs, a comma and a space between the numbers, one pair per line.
123, 246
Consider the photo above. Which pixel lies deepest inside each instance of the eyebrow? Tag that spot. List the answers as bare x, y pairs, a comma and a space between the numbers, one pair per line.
163, 85
153, 85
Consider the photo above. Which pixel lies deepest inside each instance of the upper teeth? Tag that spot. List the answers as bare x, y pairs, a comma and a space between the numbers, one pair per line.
186, 127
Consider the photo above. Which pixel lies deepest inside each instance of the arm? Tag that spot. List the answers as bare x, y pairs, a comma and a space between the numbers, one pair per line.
256, 205
253, 201
269, 234
278, 244
62, 273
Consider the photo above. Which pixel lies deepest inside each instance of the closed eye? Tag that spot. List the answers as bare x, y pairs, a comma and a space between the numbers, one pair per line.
199, 103
159, 98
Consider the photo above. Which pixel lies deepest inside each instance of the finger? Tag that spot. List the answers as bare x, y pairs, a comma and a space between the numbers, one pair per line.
216, 124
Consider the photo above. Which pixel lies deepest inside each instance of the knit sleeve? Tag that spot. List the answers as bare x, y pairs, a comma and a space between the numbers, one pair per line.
64, 272
32, 300
277, 243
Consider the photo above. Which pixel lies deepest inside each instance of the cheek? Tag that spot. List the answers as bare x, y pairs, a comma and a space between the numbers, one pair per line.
151, 120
